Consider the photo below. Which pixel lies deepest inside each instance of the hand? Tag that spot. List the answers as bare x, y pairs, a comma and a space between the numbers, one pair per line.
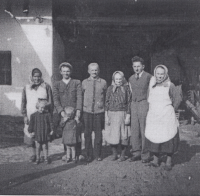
107, 120
78, 115
32, 135
62, 114
51, 133
77, 119
65, 118
127, 119
26, 121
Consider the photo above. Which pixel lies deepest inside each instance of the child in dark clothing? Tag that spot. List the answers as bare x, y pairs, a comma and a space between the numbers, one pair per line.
71, 135
41, 127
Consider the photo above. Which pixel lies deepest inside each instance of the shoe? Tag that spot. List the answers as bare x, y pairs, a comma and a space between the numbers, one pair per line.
114, 158
147, 160
74, 161
99, 159
153, 164
122, 158
32, 158
89, 159
47, 161
135, 158
37, 162
64, 158
68, 160
167, 167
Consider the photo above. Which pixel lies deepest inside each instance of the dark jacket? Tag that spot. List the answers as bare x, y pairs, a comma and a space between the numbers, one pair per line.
67, 95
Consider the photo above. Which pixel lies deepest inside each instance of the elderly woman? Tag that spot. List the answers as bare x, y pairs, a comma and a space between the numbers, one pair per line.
117, 115
161, 124
36, 90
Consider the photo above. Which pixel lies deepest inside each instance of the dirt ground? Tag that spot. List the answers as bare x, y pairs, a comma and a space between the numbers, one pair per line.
18, 176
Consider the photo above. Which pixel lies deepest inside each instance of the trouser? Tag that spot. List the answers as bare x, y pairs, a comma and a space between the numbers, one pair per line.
40, 146
138, 122
71, 150
93, 122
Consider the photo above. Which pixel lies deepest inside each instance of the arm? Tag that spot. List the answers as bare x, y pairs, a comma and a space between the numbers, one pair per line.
50, 99
23, 106
56, 98
49, 116
31, 125
107, 102
63, 122
129, 98
79, 101
175, 96
23, 103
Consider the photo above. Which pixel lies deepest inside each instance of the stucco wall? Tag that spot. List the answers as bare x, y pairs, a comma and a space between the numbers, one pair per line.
30, 44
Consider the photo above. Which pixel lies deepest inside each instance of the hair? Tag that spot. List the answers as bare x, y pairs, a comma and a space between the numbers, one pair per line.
93, 64
71, 110
41, 103
36, 70
66, 64
137, 59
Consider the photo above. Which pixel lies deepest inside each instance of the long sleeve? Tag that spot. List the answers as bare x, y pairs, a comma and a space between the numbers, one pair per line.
56, 98
50, 99
129, 99
31, 125
62, 123
175, 96
50, 120
23, 103
79, 101
107, 102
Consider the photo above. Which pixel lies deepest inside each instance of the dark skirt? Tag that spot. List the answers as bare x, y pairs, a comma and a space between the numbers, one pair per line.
169, 147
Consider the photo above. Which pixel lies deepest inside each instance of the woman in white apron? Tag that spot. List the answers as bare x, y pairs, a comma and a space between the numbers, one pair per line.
117, 115
37, 89
161, 124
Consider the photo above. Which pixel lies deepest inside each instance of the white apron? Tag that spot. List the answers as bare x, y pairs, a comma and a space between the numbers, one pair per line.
32, 97
161, 122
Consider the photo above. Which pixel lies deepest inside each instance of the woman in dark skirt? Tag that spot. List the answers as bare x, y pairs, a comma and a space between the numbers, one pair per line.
161, 124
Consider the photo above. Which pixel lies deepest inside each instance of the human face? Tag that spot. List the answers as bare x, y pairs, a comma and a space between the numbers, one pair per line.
160, 74
41, 109
138, 67
118, 79
93, 71
36, 78
65, 72
68, 113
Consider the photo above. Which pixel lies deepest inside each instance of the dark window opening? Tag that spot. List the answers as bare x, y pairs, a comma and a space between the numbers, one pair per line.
5, 68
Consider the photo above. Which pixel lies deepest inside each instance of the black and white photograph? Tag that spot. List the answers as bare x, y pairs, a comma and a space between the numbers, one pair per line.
100, 97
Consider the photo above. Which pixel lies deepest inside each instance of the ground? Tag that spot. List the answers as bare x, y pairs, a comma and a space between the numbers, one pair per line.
18, 176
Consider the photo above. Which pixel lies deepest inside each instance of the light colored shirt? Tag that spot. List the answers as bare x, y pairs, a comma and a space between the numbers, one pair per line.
140, 74
66, 81
94, 91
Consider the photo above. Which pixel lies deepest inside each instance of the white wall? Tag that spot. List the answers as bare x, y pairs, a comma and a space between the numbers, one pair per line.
30, 44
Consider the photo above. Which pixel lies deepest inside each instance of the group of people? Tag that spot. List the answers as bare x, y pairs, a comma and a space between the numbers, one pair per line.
140, 111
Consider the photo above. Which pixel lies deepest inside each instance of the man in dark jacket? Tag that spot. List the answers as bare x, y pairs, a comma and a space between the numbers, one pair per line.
67, 92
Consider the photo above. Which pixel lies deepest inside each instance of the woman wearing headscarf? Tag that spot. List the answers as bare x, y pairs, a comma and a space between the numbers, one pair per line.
117, 115
36, 90
161, 123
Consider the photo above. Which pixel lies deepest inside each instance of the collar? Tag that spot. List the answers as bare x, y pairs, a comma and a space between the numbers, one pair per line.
97, 79
140, 74
66, 81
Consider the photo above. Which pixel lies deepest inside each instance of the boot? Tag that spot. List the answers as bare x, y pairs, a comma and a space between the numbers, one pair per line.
114, 150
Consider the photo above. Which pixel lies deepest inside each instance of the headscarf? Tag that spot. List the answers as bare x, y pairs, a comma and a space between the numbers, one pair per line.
32, 84
124, 81
166, 76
